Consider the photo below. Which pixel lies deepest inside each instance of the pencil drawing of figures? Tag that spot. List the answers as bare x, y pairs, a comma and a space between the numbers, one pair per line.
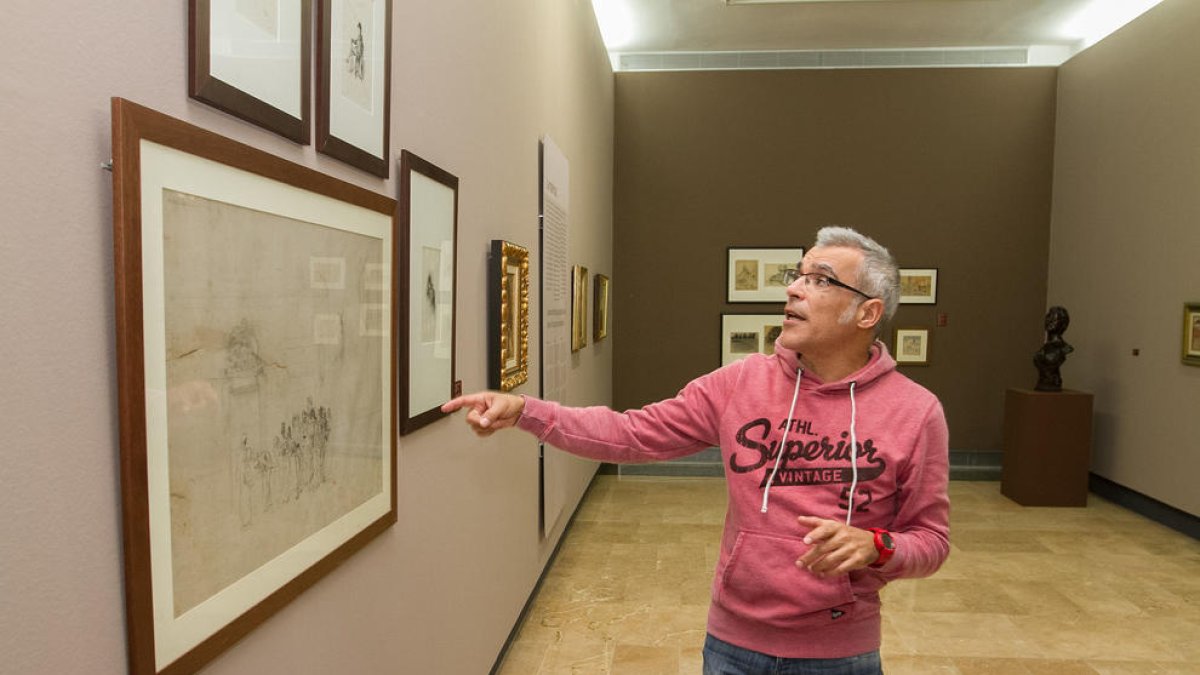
261, 454
357, 32
431, 266
774, 274
745, 275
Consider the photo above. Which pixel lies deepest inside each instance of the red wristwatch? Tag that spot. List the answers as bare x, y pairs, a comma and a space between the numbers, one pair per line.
884, 545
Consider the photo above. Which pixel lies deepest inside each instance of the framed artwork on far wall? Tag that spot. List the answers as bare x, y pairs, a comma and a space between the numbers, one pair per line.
428, 216
911, 347
918, 286
253, 59
354, 82
756, 274
579, 302
255, 378
508, 315
746, 334
1191, 333
600, 320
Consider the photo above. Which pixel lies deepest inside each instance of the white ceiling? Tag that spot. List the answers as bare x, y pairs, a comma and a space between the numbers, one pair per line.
715, 26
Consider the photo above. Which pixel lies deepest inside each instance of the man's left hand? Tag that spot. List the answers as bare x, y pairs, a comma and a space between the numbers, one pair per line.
837, 548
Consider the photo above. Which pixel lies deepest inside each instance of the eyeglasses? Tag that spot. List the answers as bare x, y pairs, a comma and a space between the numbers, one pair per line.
820, 282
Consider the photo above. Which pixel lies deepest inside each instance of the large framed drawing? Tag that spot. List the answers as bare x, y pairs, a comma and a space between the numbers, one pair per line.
253, 59
600, 318
254, 305
1191, 333
354, 81
508, 315
579, 301
428, 209
746, 334
756, 274
918, 286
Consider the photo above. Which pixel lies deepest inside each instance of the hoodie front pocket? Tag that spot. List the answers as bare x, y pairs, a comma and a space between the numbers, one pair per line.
761, 581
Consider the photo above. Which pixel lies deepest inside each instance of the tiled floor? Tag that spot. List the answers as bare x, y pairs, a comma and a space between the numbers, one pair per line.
1026, 590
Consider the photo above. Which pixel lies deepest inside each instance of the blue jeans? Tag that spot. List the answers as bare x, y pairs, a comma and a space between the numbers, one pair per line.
722, 658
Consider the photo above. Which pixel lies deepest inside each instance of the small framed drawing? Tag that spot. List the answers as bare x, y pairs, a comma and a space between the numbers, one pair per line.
252, 59
746, 334
428, 216
508, 316
918, 286
1191, 333
912, 346
255, 370
756, 274
579, 293
354, 81
600, 320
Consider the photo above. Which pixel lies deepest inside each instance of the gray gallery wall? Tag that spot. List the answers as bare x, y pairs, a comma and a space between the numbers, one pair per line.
949, 168
1124, 246
474, 87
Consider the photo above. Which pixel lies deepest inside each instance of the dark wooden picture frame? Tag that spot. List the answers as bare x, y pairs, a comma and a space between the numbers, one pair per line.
746, 334
918, 286
353, 119
911, 346
249, 101
428, 214
182, 381
508, 315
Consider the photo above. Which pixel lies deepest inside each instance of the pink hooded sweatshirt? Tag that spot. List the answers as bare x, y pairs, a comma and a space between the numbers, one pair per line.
760, 599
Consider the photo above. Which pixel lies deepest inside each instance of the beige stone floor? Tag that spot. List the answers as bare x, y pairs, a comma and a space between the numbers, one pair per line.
1026, 590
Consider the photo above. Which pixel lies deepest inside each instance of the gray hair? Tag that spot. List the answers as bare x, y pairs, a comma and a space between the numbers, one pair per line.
878, 276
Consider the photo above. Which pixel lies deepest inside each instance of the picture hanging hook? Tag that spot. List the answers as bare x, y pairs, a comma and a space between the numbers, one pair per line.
107, 166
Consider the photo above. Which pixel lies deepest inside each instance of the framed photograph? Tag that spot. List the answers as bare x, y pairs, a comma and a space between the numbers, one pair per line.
600, 318
918, 286
508, 316
912, 347
255, 369
756, 274
253, 59
579, 298
1191, 333
354, 82
746, 334
428, 209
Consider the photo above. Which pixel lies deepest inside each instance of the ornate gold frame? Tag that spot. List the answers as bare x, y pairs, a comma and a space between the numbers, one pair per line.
508, 334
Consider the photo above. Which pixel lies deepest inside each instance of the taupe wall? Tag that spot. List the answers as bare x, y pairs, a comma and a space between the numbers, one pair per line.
1124, 245
948, 168
474, 86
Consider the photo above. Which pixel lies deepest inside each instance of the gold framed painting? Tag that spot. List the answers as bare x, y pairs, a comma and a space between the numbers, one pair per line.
579, 298
255, 366
600, 320
508, 316
1191, 333
911, 347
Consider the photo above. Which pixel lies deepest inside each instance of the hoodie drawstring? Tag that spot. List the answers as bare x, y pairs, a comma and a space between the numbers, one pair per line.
853, 456
783, 442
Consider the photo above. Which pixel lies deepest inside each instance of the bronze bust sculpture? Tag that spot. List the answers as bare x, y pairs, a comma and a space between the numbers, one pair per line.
1051, 356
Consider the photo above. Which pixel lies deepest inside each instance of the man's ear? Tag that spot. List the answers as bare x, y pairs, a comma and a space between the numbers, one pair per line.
870, 313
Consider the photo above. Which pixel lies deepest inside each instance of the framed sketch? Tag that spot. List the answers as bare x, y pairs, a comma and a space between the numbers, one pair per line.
252, 59
756, 274
579, 297
508, 316
254, 304
918, 286
746, 334
912, 346
428, 210
354, 82
600, 318
1191, 333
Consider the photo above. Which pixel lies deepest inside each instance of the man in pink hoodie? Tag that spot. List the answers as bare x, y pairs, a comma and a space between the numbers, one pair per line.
836, 467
